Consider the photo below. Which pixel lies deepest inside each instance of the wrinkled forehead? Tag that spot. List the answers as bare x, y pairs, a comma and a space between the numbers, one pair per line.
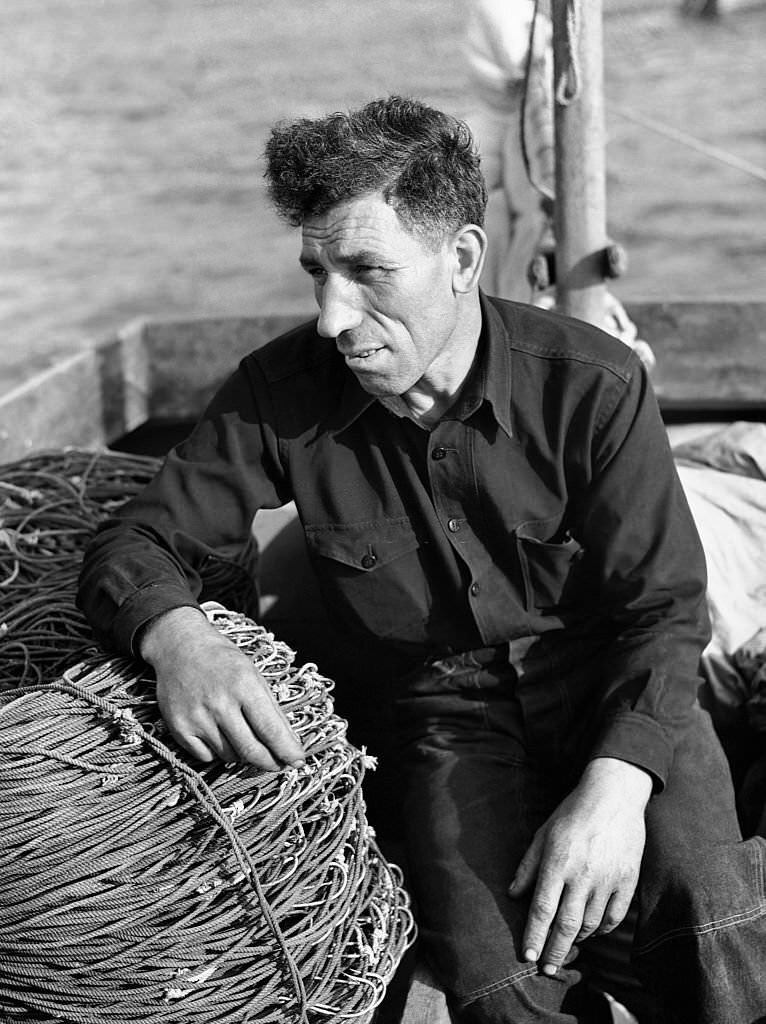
367, 224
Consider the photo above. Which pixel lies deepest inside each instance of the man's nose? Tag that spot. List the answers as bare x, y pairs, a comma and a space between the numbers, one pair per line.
338, 308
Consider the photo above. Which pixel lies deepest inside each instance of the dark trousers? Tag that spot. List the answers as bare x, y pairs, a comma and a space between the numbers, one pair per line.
474, 796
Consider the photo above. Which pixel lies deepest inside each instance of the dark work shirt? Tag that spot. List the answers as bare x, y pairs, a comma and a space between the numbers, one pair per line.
542, 512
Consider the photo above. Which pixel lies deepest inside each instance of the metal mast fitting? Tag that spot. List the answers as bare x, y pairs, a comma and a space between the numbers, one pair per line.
580, 208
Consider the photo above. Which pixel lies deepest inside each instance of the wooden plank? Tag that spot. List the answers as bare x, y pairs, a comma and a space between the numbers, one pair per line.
187, 360
60, 406
708, 353
84, 400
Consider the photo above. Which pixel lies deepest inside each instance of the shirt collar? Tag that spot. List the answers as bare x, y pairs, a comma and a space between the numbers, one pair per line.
489, 379
495, 364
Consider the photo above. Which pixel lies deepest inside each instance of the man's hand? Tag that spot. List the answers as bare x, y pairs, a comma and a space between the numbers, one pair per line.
584, 861
211, 696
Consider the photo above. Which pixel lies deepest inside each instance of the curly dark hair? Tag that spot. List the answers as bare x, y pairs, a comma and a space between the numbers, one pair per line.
423, 161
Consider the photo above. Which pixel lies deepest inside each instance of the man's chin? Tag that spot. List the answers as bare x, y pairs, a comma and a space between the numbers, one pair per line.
376, 392
373, 384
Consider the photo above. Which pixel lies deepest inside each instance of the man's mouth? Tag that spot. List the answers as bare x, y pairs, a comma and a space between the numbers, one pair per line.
362, 354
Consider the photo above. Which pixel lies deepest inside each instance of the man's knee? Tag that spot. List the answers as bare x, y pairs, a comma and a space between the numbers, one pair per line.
701, 938
704, 891
527, 997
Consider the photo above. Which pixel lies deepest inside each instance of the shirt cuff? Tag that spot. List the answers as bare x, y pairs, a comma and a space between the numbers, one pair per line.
640, 741
145, 604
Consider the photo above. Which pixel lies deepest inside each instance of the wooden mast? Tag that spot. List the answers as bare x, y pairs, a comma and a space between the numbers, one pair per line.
580, 207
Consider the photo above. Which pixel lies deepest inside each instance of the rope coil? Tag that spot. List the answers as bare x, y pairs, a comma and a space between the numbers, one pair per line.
141, 887
50, 505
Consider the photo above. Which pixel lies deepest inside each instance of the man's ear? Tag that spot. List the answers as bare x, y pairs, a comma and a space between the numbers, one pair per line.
470, 247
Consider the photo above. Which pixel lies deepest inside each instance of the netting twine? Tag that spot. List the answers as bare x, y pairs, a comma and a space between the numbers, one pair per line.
139, 886
50, 505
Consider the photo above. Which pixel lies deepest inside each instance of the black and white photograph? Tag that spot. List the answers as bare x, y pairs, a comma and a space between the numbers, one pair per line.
383, 512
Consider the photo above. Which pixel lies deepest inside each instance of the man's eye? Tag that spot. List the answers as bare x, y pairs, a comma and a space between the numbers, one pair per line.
317, 273
365, 270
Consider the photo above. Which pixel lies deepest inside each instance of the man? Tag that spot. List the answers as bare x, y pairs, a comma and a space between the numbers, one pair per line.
491, 506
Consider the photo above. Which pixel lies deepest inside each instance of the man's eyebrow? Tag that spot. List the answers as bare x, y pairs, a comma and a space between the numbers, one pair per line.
364, 256
361, 256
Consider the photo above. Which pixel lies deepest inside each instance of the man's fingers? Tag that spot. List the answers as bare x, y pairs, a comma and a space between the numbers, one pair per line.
593, 918
267, 742
564, 930
194, 745
211, 744
545, 905
225, 750
251, 748
527, 869
576, 919
615, 911
217, 704
266, 724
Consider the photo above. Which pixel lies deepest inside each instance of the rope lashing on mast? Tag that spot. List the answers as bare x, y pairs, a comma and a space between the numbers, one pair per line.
568, 86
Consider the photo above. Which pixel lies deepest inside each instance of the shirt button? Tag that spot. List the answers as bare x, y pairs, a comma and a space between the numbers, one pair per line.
368, 561
453, 525
475, 588
439, 453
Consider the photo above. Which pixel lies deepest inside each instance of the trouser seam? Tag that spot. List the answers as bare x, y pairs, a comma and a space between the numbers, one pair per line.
703, 929
495, 986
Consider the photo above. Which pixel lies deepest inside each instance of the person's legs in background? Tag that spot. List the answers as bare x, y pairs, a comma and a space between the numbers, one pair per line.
515, 220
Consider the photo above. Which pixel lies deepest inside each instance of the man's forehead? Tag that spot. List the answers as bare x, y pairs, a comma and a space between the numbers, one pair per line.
367, 223
349, 216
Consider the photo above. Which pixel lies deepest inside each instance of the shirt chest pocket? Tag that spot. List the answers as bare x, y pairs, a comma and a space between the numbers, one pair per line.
371, 576
551, 566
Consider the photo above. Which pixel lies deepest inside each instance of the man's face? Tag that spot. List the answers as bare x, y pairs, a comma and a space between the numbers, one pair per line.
383, 295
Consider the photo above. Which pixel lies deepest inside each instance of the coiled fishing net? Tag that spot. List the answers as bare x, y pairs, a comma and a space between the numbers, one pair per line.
50, 505
139, 885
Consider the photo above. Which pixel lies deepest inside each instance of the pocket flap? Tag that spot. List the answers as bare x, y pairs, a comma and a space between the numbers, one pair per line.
365, 546
538, 532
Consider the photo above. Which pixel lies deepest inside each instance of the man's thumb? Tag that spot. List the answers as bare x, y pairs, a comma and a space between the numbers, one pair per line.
526, 871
